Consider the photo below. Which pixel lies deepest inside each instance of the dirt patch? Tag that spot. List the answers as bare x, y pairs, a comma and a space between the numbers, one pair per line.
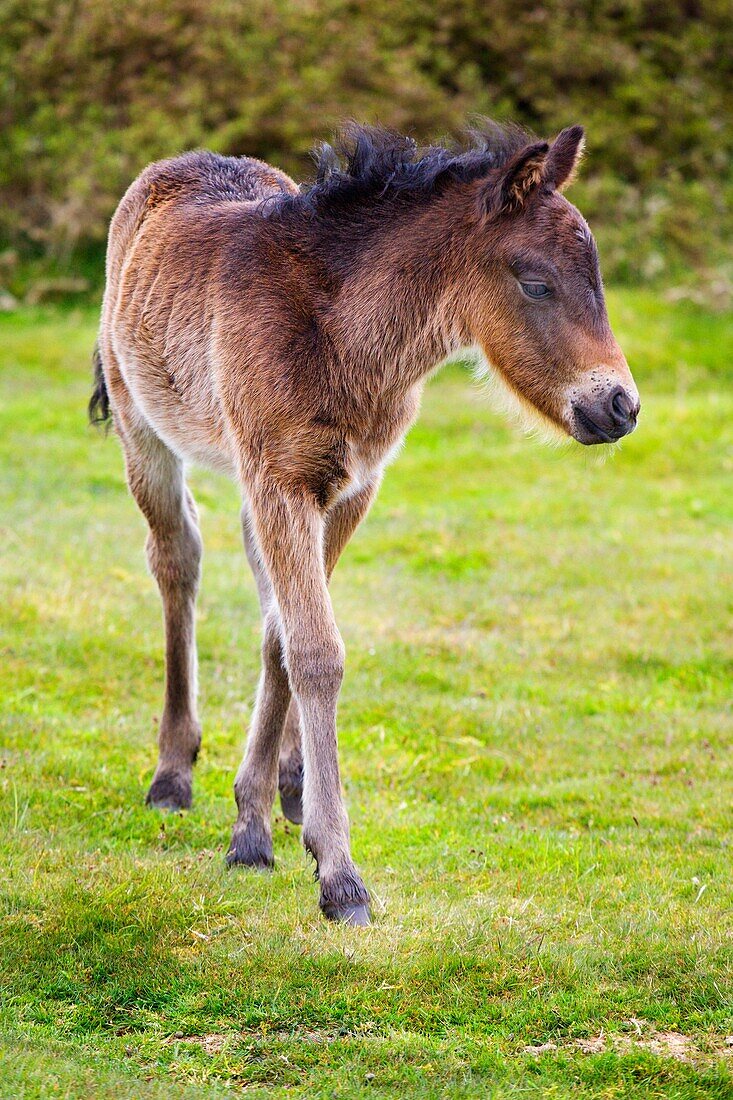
215, 1042
212, 1044
665, 1044
592, 1046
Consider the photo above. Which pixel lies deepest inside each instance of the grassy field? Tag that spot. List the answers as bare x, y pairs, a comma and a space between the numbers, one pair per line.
535, 738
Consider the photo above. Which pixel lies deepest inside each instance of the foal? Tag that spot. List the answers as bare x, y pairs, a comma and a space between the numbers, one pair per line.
284, 336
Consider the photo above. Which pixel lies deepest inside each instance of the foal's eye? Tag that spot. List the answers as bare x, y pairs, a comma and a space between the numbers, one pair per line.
536, 290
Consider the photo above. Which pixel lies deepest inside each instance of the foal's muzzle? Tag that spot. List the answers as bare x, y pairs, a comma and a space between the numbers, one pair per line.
606, 419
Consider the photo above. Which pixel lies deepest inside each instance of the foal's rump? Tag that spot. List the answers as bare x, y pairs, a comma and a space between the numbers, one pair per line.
209, 179
165, 246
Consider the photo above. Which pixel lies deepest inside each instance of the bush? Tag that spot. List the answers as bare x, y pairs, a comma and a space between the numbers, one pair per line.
91, 90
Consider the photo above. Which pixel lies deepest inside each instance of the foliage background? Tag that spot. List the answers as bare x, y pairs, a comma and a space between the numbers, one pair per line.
91, 90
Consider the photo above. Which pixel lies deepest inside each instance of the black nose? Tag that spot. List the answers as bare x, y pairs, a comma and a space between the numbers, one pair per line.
606, 419
623, 410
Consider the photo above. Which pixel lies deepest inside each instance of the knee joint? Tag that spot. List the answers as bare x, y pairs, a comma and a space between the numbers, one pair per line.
316, 670
272, 647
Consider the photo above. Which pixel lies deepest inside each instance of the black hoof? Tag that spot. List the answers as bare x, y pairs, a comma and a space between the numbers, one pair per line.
292, 807
344, 898
251, 846
358, 915
170, 791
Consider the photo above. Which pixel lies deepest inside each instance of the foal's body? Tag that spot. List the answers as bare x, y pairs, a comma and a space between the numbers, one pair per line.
285, 339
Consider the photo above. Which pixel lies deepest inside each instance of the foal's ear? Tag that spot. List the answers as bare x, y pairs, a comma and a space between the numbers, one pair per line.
518, 177
564, 157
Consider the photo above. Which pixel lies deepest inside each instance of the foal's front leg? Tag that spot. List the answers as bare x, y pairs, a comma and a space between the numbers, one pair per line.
290, 533
251, 843
343, 519
258, 774
256, 781
290, 771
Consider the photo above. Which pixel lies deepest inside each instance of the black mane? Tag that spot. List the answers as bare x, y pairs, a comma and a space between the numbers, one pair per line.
367, 162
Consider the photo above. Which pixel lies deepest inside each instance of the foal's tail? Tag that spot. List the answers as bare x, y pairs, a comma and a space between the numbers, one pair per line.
99, 410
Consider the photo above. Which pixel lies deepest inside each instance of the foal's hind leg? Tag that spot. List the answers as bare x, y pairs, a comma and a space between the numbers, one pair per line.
290, 769
155, 477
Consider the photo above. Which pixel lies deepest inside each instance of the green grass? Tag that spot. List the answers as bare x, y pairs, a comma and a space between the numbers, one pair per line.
535, 740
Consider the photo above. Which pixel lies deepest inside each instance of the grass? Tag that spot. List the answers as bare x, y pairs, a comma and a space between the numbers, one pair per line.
535, 739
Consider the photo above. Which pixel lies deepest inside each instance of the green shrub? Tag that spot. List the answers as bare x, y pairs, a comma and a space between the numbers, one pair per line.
91, 90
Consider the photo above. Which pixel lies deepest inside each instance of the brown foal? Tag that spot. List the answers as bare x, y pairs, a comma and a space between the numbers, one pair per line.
284, 336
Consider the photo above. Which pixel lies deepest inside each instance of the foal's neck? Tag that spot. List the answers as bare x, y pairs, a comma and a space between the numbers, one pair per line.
399, 304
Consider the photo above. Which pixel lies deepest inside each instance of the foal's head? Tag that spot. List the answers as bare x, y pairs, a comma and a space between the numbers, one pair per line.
536, 305
520, 261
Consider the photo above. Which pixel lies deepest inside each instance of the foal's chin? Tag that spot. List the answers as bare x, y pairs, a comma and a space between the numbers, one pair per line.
512, 404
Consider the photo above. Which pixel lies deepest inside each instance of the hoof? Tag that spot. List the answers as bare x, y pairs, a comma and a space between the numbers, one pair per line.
344, 898
359, 915
170, 791
251, 846
292, 806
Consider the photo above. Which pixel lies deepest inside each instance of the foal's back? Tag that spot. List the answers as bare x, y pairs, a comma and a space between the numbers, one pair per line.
166, 244
171, 189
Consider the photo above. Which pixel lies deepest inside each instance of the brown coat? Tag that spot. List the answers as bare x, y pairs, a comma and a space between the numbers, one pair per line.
284, 337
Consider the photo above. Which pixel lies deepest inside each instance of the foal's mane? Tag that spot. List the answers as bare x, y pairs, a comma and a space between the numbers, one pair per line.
371, 162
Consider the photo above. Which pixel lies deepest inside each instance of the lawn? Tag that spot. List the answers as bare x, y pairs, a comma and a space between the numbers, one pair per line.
535, 739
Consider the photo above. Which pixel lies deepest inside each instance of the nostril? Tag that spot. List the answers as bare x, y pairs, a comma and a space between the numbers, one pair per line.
622, 407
